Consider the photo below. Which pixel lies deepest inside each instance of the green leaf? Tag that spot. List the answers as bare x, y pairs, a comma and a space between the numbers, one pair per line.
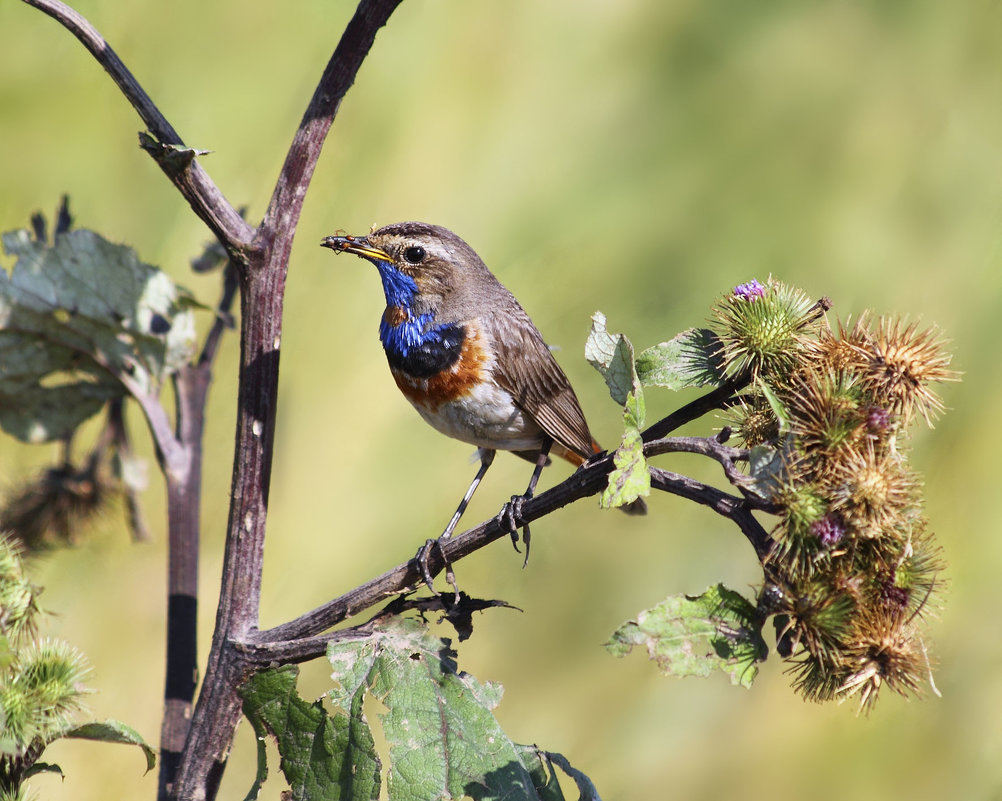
690, 359
443, 737
323, 757
612, 356
42, 767
635, 409
261, 774
73, 390
695, 635
584, 784
444, 741
78, 320
630, 477
777, 406
113, 731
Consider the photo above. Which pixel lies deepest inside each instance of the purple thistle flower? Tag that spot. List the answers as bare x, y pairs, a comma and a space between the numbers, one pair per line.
828, 529
878, 419
895, 596
749, 291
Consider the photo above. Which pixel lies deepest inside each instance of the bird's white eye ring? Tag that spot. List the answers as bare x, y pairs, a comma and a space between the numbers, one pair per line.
414, 254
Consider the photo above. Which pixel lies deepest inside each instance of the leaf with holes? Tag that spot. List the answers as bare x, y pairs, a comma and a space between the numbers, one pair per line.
694, 635
444, 740
630, 477
324, 757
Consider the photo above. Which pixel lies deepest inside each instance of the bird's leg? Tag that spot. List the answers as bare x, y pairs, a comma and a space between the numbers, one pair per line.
486, 459
512, 509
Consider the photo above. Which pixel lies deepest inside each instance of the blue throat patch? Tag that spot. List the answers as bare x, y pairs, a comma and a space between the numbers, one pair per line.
416, 345
399, 288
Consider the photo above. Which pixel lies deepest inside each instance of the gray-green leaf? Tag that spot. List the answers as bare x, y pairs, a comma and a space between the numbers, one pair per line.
630, 477
114, 731
695, 635
690, 359
443, 737
78, 320
612, 356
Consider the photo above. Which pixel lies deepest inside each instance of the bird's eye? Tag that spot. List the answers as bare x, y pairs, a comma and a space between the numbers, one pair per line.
414, 255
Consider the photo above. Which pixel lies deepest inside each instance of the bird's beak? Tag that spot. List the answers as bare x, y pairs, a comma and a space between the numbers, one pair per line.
359, 245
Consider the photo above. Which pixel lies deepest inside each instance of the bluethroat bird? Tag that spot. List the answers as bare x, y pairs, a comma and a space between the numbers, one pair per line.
468, 358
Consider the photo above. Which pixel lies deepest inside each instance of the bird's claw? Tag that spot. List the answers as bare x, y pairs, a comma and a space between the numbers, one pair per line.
509, 513
422, 559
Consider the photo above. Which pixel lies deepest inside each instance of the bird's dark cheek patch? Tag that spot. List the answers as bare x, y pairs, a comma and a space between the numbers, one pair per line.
465, 372
426, 353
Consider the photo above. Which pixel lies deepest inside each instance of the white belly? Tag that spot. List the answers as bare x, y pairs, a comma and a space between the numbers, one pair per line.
485, 417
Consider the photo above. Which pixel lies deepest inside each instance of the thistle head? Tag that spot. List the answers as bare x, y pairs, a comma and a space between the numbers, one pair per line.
898, 362
52, 509
760, 328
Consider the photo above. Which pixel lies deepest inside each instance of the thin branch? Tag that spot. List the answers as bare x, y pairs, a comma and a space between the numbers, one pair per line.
263, 654
716, 399
588, 480
731, 507
704, 446
192, 181
224, 316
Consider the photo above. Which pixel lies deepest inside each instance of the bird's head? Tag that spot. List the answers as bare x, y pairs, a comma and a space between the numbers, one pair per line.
418, 263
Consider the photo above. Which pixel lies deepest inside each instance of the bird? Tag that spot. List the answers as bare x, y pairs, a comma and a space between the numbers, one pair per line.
468, 357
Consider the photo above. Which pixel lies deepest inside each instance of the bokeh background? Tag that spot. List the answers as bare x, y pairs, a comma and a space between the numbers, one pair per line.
635, 156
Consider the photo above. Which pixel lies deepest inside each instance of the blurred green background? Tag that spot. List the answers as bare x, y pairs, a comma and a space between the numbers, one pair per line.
635, 156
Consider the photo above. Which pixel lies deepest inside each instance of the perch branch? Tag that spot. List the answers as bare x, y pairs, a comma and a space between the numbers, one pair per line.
590, 480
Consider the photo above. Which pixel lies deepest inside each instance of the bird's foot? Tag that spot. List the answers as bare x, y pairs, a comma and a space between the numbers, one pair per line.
507, 517
422, 559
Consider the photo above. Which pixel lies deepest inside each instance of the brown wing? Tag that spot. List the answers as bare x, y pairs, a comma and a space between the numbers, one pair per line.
526, 368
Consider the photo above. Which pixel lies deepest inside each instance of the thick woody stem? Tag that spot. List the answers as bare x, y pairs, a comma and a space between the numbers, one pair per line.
191, 390
217, 711
261, 258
